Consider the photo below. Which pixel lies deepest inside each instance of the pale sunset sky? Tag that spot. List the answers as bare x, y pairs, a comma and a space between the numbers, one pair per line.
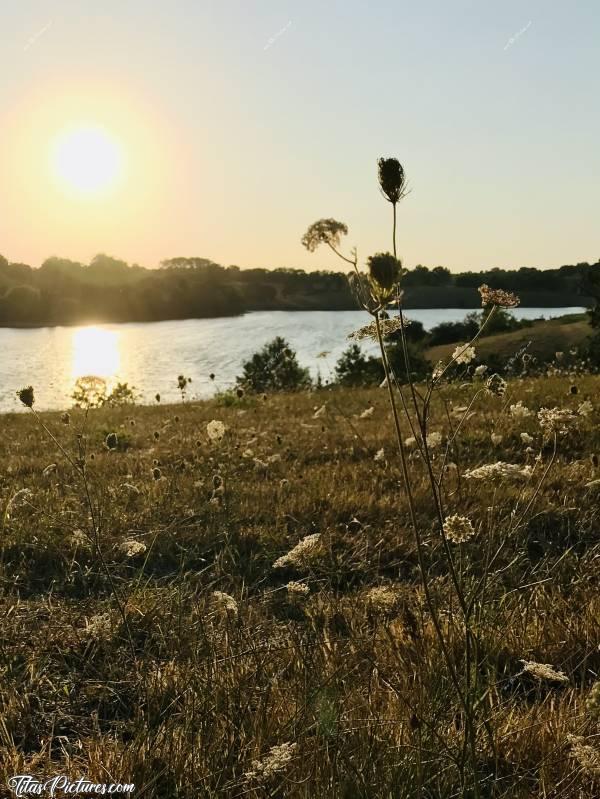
222, 129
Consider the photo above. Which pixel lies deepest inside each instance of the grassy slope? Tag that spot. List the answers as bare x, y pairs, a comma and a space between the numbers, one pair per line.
546, 337
206, 691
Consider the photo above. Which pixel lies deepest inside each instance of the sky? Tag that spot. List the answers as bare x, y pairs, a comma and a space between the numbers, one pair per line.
226, 128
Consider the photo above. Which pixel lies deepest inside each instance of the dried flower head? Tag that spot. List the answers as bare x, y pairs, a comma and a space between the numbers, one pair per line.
132, 548
587, 756
215, 430
325, 231
277, 760
458, 528
543, 672
391, 179
505, 299
387, 327
585, 408
382, 598
296, 590
556, 420
225, 602
26, 396
304, 551
496, 385
111, 441
384, 271
480, 370
65, 418
496, 439
434, 439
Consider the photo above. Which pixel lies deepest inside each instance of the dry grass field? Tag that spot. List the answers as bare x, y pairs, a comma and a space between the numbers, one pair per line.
167, 631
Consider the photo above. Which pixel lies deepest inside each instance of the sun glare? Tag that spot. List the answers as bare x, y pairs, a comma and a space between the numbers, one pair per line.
95, 352
87, 160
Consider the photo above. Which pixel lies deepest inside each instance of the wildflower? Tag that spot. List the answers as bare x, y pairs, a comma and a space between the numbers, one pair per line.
391, 179
225, 602
434, 440
384, 271
367, 413
325, 231
65, 418
157, 397
585, 408
99, 626
593, 700
26, 396
587, 756
80, 539
111, 441
276, 761
215, 430
496, 439
556, 420
379, 455
302, 553
559, 355
499, 470
132, 548
505, 299
382, 598
573, 390
463, 354
239, 392
480, 370
520, 411
458, 528
387, 327
296, 589
156, 473
438, 370
247, 453
496, 385
274, 458
410, 442
543, 672
526, 438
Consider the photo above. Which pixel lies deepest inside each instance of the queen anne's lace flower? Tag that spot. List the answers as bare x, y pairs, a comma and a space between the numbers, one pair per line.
463, 354
382, 598
132, 548
556, 420
585, 408
496, 385
505, 299
387, 326
274, 762
215, 430
520, 411
499, 470
458, 528
543, 672
302, 553
225, 602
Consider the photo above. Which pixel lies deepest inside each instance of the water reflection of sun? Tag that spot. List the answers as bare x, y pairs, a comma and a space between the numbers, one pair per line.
96, 352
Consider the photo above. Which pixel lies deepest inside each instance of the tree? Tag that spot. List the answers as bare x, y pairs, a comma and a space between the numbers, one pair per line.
274, 368
353, 368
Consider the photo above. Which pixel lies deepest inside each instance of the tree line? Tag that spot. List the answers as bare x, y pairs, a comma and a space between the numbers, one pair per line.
108, 289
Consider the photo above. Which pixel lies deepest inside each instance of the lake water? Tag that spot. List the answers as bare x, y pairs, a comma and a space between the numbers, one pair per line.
151, 355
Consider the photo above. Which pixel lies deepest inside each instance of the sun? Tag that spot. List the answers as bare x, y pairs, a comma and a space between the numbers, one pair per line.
87, 160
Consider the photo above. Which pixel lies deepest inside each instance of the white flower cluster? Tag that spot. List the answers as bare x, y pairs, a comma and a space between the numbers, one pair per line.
499, 470
543, 672
275, 761
556, 420
463, 354
301, 554
132, 548
520, 411
215, 430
